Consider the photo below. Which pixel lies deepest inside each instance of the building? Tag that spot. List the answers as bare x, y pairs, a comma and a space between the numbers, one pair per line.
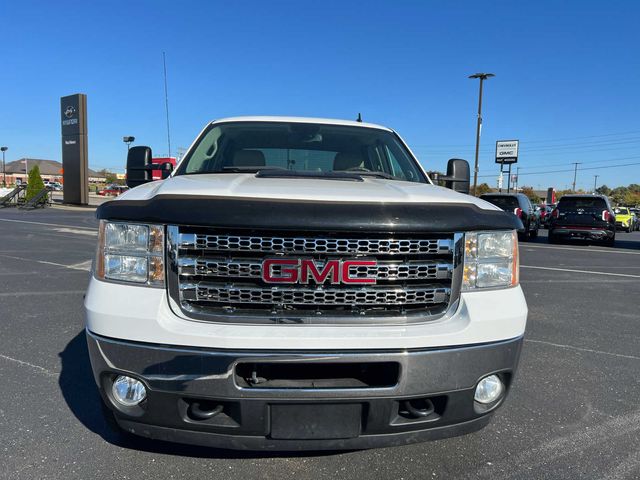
50, 170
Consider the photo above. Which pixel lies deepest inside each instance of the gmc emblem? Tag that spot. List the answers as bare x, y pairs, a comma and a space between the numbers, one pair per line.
306, 271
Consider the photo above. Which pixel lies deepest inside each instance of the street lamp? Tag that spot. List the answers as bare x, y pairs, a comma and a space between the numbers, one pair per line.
4, 171
482, 77
128, 141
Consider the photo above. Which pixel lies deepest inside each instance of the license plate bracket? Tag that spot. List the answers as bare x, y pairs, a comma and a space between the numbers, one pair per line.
315, 421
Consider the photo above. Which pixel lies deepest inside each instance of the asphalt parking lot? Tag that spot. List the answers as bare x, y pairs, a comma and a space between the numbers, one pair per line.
574, 411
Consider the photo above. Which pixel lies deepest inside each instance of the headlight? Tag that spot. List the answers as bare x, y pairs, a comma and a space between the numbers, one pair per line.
490, 260
129, 252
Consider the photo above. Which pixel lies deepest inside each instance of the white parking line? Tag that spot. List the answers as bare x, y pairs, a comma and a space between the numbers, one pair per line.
54, 293
30, 365
612, 250
77, 231
85, 266
590, 272
47, 224
581, 349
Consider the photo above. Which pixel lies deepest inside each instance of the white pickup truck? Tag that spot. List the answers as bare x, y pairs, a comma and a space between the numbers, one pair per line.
300, 283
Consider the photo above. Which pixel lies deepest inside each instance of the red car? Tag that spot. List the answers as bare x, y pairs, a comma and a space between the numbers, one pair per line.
113, 190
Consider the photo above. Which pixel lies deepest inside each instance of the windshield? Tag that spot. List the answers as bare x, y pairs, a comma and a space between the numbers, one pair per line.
504, 202
622, 211
300, 147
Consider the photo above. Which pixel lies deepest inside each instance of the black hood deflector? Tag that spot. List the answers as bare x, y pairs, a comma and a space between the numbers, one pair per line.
300, 215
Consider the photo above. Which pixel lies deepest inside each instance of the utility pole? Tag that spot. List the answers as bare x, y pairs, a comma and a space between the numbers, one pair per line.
4, 171
482, 77
575, 174
517, 178
595, 182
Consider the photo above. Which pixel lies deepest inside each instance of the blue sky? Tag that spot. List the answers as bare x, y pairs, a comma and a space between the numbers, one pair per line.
567, 75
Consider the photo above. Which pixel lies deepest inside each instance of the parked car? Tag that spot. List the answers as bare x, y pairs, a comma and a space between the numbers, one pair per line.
625, 219
586, 217
545, 214
113, 190
520, 205
636, 217
55, 186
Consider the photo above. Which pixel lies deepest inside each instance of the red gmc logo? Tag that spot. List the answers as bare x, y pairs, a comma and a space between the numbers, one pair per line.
306, 271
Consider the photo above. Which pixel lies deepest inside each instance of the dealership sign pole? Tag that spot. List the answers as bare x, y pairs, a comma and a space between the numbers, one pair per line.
75, 163
507, 153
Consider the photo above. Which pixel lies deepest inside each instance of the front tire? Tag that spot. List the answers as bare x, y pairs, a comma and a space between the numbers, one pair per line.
553, 238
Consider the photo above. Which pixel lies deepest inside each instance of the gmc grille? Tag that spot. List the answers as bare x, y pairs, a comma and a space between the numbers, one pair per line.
217, 276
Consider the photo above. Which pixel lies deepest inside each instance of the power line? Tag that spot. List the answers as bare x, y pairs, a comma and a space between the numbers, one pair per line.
547, 172
524, 142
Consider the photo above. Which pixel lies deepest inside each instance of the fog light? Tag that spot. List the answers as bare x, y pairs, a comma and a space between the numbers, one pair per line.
489, 389
128, 391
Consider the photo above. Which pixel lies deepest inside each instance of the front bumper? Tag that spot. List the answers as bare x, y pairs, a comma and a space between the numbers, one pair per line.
290, 418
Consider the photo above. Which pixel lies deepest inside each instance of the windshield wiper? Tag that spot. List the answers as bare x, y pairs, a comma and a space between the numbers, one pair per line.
248, 169
271, 173
388, 176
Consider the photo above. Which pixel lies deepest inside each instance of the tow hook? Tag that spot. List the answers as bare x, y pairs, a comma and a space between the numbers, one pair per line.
420, 408
195, 411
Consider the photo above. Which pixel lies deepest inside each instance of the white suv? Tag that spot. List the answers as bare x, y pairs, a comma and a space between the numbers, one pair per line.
301, 283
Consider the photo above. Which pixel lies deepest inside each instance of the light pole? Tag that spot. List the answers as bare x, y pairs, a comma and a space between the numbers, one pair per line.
4, 171
128, 141
482, 77
595, 182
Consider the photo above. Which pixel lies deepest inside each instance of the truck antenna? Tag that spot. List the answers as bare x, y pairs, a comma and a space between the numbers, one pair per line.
359, 119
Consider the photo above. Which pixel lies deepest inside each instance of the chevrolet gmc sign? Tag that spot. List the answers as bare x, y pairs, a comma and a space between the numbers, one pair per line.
507, 151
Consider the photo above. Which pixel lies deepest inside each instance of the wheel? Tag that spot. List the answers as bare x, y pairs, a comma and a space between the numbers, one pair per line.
610, 242
553, 238
534, 233
630, 229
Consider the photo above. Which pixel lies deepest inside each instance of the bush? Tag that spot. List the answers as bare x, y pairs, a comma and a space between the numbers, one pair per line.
35, 183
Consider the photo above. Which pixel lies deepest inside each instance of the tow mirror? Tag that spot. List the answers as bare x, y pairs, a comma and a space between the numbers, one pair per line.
166, 169
139, 166
457, 177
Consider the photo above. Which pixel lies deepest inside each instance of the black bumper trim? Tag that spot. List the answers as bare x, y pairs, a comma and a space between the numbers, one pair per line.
178, 377
246, 442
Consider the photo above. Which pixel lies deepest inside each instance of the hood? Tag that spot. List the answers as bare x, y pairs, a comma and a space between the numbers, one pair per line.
246, 186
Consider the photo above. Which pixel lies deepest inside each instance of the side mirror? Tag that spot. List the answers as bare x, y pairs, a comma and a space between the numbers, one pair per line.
457, 177
139, 166
165, 169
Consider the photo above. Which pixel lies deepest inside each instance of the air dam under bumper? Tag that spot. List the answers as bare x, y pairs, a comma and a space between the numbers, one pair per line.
357, 399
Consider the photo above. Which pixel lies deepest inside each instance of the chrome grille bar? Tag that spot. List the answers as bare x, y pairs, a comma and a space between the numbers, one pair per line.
309, 245
252, 268
220, 293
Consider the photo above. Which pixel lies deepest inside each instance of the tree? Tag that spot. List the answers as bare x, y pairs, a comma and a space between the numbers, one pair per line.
110, 177
603, 190
531, 194
484, 188
35, 183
